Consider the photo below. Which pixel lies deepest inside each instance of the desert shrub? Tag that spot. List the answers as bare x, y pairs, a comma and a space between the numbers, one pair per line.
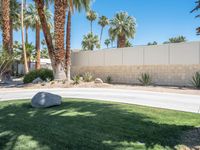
87, 77
109, 79
145, 79
76, 79
44, 74
196, 80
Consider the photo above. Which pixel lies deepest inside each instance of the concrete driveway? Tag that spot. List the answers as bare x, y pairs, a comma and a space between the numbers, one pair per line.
181, 102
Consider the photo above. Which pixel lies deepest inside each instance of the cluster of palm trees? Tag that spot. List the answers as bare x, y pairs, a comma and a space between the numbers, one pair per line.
15, 16
122, 27
37, 16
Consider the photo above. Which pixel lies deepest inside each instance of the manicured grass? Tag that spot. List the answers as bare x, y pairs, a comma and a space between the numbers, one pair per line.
91, 125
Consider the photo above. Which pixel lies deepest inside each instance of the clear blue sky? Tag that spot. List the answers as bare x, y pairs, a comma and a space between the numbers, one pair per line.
157, 20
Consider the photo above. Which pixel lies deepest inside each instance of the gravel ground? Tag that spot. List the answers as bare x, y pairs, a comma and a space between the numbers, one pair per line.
55, 84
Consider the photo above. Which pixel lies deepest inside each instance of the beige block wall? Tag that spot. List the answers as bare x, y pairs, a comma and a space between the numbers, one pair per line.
133, 55
177, 75
156, 54
184, 53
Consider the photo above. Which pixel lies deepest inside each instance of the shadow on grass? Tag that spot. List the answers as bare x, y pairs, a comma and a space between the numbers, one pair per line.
83, 125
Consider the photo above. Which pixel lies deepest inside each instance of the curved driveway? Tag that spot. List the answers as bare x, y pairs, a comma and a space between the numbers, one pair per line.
181, 102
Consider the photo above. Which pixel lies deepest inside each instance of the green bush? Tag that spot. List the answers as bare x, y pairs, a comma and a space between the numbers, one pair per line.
145, 79
87, 77
44, 74
109, 79
196, 80
76, 79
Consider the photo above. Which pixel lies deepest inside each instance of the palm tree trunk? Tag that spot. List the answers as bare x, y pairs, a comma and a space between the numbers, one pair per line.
23, 44
11, 35
121, 41
91, 26
68, 46
6, 76
59, 24
26, 32
46, 31
101, 35
37, 46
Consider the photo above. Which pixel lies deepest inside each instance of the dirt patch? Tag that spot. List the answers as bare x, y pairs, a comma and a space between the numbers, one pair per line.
64, 84
190, 140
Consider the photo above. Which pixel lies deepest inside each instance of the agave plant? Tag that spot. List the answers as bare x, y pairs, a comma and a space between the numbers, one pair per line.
109, 79
76, 79
196, 80
87, 77
145, 79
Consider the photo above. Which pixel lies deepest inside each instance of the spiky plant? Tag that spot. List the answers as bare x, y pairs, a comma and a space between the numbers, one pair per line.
145, 79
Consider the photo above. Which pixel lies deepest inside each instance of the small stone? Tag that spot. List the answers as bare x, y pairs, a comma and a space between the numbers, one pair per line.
98, 81
45, 100
37, 80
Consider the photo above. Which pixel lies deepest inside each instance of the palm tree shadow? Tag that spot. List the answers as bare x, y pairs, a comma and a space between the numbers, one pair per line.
84, 125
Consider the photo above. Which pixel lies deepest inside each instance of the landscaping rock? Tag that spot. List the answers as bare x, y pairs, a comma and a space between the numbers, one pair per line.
44, 100
37, 80
98, 81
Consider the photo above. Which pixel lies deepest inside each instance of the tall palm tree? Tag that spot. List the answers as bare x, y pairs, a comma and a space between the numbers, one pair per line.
26, 70
107, 42
78, 5
56, 53
103, 21
122, 28
32, 15
5, 5
91, 16
14, 19
90, 41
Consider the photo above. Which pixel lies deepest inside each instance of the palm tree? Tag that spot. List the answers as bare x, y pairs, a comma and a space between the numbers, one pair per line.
103, 21
107, 42
30, 50
197, 7
56, 53
122, 28
23, 44
32, 15
91, 16
90, 41
5, 6
14, 19
78, 5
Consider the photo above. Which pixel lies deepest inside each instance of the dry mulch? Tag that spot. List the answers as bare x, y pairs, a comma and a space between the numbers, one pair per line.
63, 84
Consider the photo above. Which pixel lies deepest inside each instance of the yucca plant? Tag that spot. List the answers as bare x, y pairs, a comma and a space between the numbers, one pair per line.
196, 80
145, 79
76, 79
87, 77
109, 79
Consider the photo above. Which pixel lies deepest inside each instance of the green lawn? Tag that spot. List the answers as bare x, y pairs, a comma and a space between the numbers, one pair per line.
91, 125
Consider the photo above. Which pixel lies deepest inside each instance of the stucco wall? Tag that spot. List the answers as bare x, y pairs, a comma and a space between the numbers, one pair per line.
169, 64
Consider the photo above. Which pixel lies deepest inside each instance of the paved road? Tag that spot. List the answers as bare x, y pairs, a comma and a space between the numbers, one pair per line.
181, 102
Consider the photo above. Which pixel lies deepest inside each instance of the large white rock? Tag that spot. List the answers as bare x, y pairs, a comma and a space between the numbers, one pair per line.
98, 81
37, 80
44, 100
